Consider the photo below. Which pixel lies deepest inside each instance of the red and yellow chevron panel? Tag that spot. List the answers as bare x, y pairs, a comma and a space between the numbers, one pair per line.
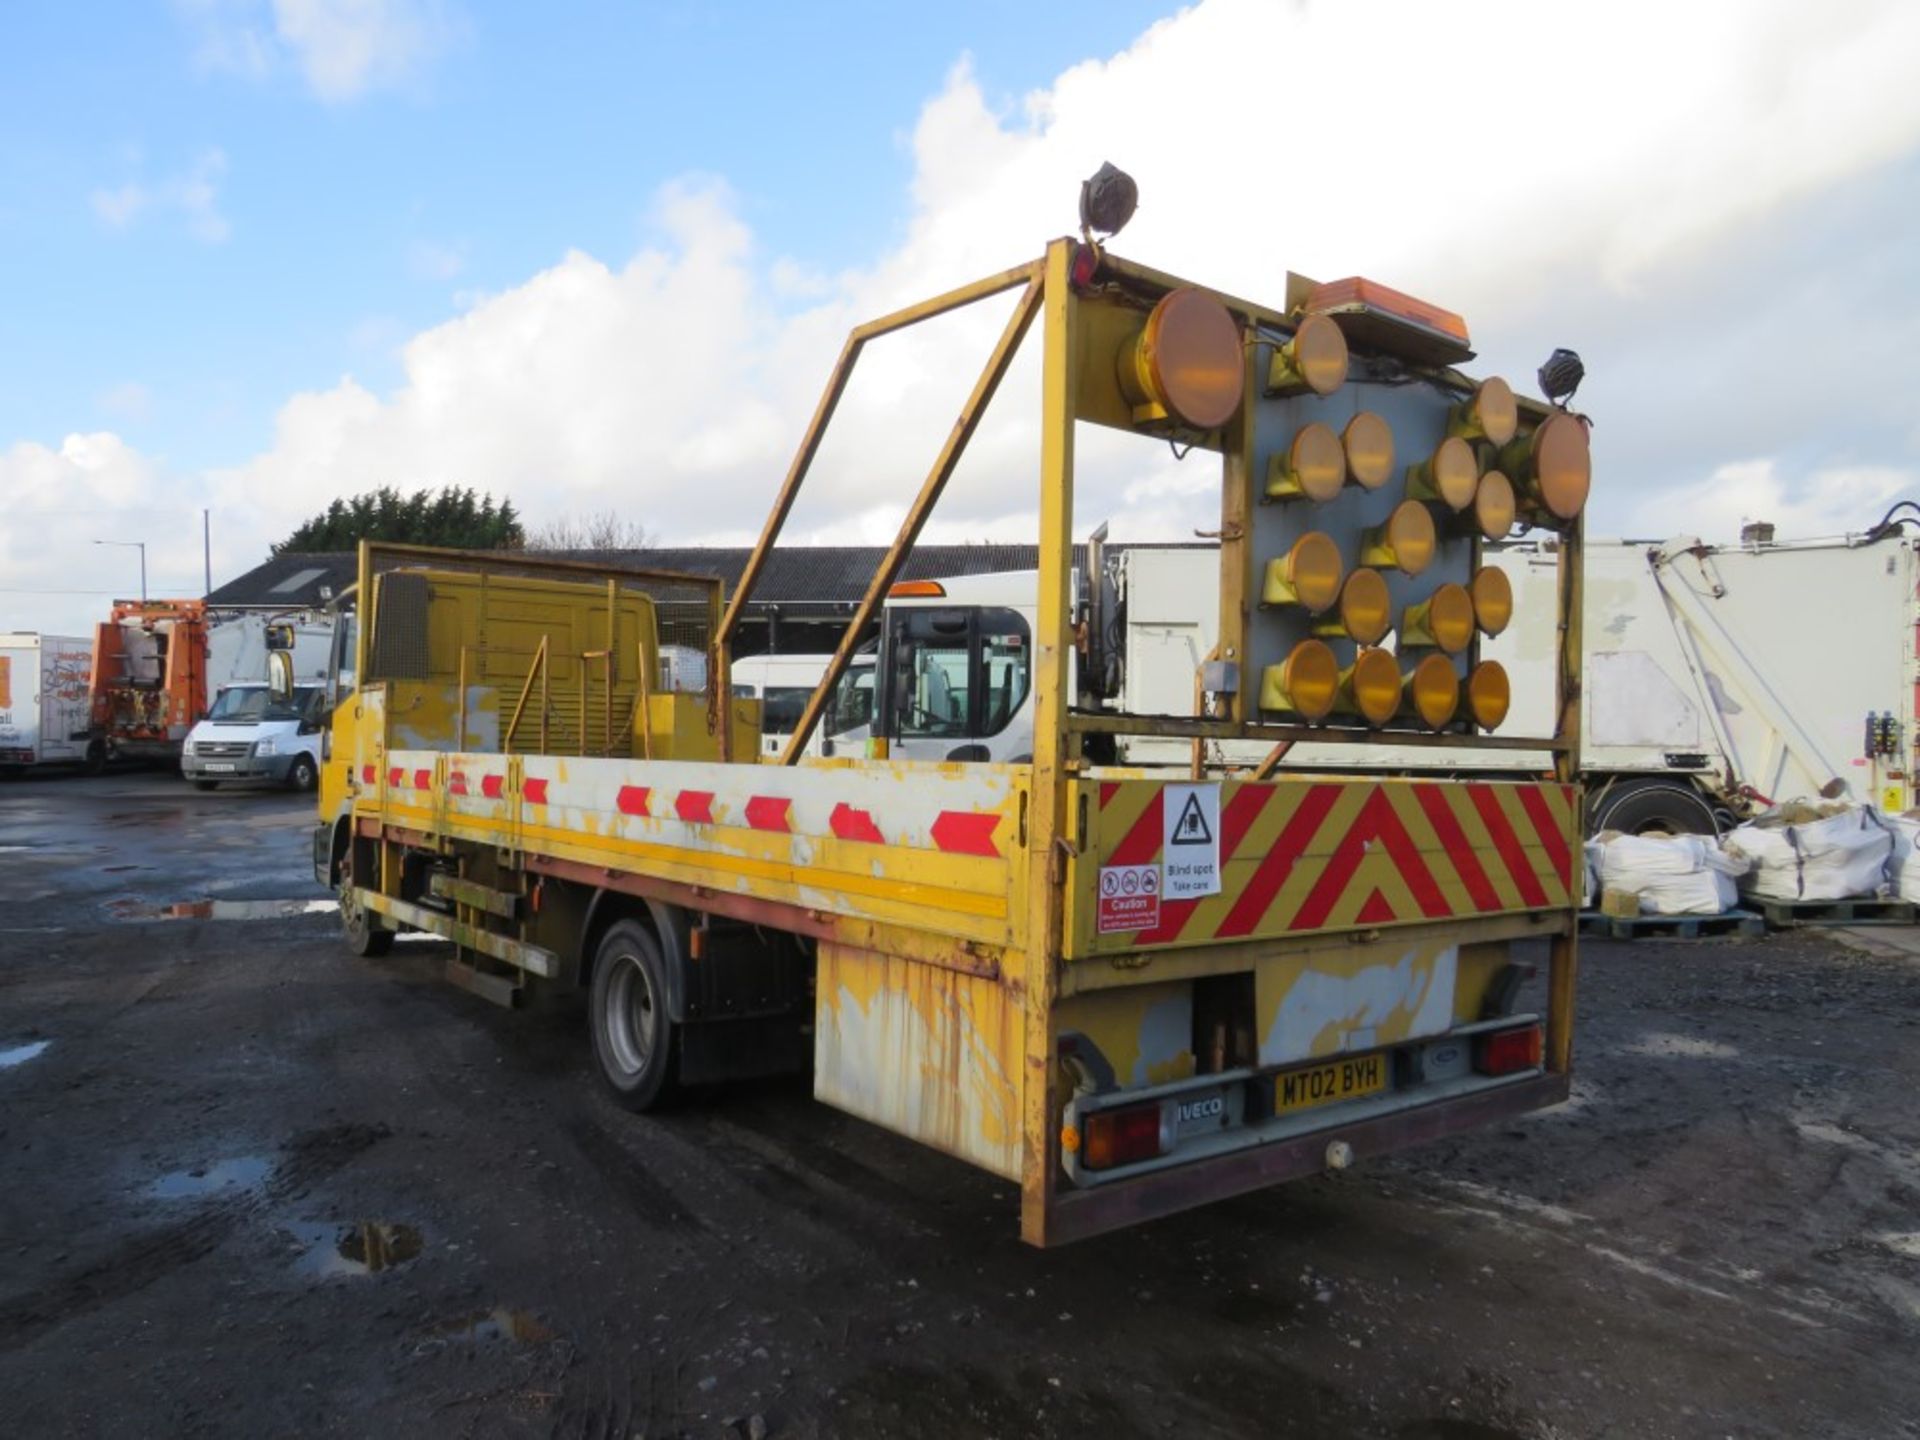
1299, 856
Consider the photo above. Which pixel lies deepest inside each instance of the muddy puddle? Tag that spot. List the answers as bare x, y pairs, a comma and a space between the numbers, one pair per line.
133, 909
244, 1172
499, 1326
366, 1248
14, 1055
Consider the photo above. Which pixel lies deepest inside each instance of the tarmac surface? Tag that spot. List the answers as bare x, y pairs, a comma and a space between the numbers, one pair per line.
252, 1185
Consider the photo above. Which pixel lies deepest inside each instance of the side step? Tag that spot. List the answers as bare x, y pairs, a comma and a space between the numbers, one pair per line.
502, 990
471, 892
518, 953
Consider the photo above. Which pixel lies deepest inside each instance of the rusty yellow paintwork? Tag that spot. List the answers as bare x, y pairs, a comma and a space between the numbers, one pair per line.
927, 1052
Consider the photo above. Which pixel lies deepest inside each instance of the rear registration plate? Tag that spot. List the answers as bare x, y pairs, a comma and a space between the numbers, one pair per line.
219, 765
1323, 1084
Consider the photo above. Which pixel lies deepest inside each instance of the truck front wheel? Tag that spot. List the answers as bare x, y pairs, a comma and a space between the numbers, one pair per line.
301, 774
359, 926
633, 1036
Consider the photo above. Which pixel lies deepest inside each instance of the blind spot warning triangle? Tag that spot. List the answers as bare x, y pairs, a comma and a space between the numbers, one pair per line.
1191, 827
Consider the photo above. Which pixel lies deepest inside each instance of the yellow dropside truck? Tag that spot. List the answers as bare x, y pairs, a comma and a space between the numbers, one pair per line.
1128, 991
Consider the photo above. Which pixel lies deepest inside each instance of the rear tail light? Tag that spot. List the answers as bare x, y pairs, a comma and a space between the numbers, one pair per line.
1123, 1137
1508, 1051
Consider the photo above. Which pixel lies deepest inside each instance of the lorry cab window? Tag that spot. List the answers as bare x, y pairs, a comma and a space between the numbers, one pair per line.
956, 672
852, 702
341, 680
781, 707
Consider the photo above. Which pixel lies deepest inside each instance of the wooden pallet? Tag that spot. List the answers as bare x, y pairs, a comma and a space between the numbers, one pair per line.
1729, 923
1785, 914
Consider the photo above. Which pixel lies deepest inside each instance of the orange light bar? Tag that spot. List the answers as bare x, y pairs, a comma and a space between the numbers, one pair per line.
1358, 293
916, 589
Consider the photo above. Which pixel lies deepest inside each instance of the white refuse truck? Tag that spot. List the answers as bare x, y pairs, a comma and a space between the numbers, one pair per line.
1719, 678
44, 713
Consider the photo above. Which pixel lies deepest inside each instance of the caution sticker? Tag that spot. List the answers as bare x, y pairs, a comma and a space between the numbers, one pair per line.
1129, 898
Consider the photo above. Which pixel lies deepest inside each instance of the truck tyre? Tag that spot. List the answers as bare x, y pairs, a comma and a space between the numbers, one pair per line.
206, 784
96, 760
1645, 807
301, 774
359, 926
634, 1038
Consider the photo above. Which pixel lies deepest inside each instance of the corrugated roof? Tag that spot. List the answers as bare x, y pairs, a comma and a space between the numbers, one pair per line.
800, 575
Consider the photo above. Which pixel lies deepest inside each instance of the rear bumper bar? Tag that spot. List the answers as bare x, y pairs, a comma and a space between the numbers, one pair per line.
1079, 1214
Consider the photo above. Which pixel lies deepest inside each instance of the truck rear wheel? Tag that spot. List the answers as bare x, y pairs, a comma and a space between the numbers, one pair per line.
634, 1038
1646, 807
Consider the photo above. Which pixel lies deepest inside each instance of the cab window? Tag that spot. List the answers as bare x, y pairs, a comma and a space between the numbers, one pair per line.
954, 673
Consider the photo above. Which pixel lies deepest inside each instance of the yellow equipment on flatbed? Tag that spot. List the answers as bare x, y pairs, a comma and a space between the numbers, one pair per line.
1128, 991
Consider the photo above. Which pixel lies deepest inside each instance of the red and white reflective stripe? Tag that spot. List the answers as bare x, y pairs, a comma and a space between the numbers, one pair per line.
770, 812
966, 832
962, 814
848, 823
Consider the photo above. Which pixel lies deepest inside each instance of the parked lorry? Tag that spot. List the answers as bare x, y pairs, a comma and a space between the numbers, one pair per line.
1717, 680
158, 664
43, 700
1130, 993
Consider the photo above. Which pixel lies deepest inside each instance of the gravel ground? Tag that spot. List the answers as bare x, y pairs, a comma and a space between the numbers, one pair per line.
255, 1186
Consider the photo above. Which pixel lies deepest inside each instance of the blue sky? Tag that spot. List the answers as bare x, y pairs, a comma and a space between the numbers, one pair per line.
351, 224
257, 254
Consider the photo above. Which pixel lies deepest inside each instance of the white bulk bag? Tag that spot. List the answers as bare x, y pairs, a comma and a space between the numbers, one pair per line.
1670, 874
1838, 856
1903, 870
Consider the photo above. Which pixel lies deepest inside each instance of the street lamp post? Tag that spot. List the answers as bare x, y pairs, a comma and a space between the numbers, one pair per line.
141, 546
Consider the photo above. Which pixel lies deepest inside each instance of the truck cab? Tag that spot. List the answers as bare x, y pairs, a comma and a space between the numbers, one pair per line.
954, 670
249, 735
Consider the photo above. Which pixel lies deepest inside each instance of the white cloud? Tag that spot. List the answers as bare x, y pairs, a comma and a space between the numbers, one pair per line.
341, 48
1831, 500
192, 194
93, 486
1490, 165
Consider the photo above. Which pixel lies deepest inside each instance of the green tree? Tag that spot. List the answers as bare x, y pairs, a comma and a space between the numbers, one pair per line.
453, 517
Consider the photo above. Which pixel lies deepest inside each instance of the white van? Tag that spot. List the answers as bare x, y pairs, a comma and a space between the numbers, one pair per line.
248, 735
784, 683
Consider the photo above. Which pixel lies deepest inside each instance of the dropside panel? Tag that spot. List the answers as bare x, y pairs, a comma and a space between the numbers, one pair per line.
930, 846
